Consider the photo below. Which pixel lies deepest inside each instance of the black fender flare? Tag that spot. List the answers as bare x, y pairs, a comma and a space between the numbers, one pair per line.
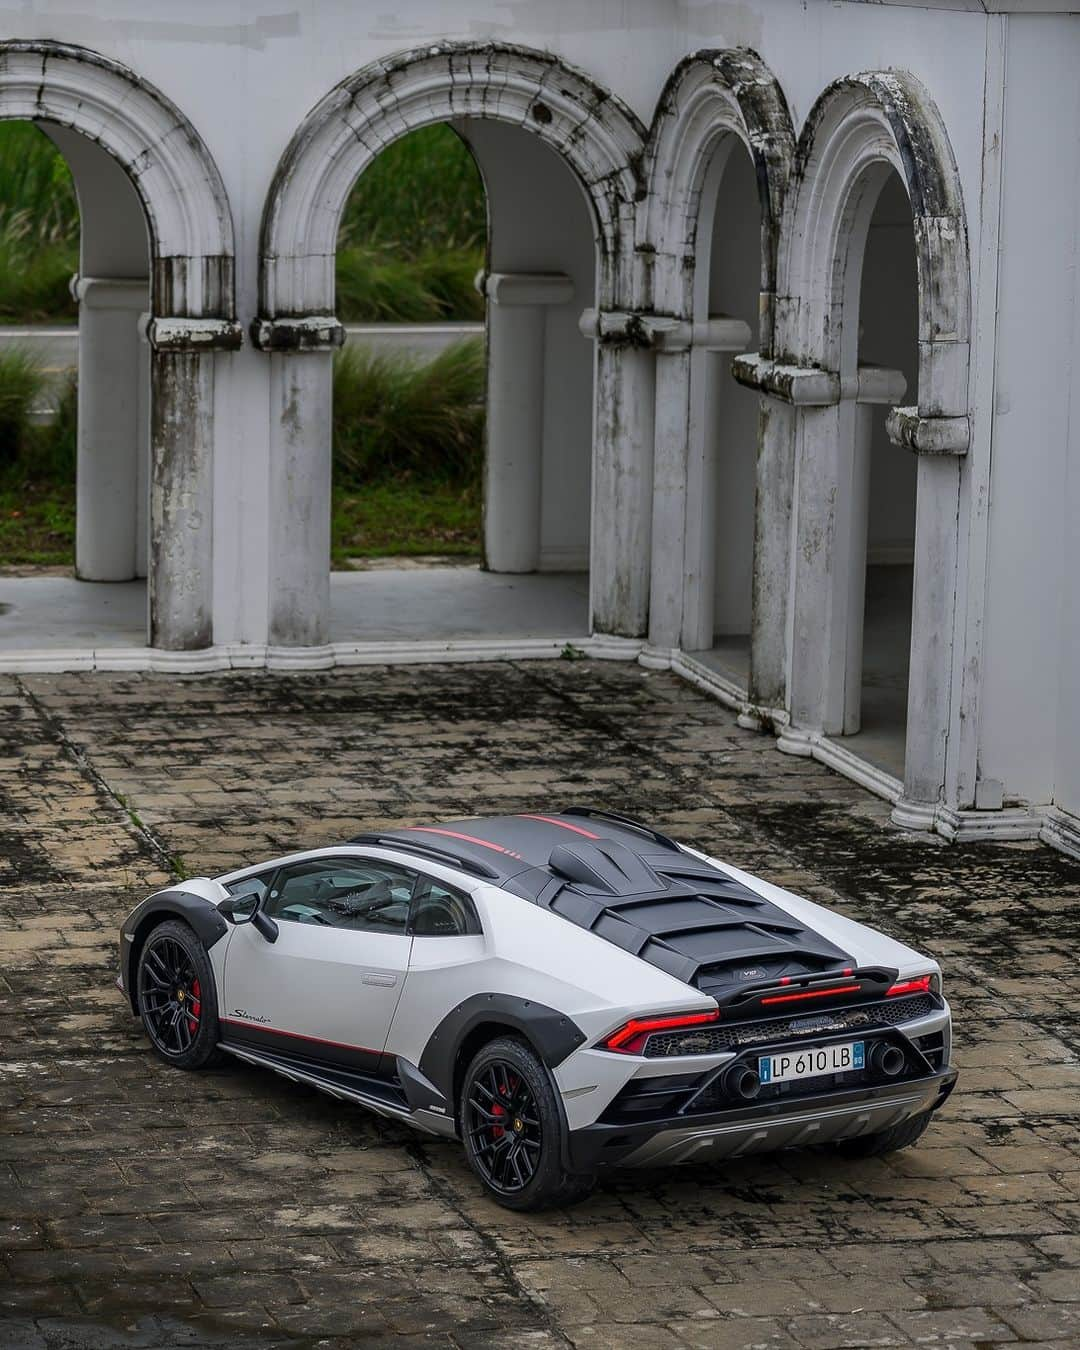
549, 1032
200, 914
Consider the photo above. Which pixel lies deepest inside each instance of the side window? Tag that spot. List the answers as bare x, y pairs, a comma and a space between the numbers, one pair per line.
440, 911
253, 889
353, 893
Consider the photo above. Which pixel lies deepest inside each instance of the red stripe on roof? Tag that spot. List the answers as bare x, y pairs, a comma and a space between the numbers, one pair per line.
562, 824
469, 838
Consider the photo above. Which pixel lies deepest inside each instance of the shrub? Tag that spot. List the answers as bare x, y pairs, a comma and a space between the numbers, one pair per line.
39, 227
394, 414
375, 288
21, 384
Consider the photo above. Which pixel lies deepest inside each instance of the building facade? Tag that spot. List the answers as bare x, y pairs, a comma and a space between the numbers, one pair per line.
783, 328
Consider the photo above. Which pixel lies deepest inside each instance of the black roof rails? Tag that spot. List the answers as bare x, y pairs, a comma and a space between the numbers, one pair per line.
627, 822
444, 855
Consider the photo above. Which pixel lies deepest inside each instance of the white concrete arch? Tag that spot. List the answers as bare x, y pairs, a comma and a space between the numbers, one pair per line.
601, 141
591, 129
189, 299
173, 172
713, 102
711, 95
862, 130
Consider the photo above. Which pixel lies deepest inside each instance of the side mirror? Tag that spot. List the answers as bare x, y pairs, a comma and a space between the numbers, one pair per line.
247, 908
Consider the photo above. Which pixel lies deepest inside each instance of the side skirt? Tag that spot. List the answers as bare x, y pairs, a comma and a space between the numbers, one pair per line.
379, 1095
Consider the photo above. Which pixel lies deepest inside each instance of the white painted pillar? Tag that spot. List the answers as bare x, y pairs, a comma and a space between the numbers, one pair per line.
142, 462
684, 468
180, 557
821, 445
517, 304
876, 385
301, 401
939, 443
623, 428
110, 430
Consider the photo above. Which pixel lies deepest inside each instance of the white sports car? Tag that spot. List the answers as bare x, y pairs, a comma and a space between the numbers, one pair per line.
561, 992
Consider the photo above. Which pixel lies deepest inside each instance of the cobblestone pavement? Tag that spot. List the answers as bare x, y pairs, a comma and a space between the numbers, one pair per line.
144, 1207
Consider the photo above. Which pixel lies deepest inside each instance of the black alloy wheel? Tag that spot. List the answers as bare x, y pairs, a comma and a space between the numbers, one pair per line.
504, 1127
175, 996
513, 1128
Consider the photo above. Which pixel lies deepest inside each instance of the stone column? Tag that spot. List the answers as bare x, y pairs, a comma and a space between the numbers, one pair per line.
110, 432
623, 424
684, 496
820, 446
939, 443
301, 400
515, 423
180, 559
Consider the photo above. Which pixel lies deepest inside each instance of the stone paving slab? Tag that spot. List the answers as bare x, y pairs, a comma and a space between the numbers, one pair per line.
144, 1207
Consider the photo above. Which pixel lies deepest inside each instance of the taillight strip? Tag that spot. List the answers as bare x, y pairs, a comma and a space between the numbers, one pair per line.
919, 985
636, 1029
814, 993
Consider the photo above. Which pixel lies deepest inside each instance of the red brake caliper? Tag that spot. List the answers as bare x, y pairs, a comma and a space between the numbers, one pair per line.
497, 1131
194, 1007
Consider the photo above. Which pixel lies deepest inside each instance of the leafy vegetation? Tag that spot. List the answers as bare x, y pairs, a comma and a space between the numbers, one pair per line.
39, 227
394, 414
407, 434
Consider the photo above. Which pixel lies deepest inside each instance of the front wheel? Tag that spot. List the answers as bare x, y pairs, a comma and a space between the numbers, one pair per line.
175, 990
512, 1128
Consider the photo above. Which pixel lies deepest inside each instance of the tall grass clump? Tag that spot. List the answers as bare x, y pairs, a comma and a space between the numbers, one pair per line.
39, 227
395, 415
412, 234
22, 382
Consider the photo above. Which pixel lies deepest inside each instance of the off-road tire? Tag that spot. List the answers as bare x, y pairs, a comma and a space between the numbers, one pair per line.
183, 1030
530, 1097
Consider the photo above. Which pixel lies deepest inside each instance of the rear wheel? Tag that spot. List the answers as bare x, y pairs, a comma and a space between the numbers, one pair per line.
175, 990
886, 1141
513, 1129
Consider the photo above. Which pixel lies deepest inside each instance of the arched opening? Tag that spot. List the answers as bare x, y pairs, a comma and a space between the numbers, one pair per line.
888, 340
156, 302
480, 441
874, 233
558, 134
724, 415
86, 472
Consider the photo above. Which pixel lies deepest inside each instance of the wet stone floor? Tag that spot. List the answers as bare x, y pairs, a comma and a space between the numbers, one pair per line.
141, 1206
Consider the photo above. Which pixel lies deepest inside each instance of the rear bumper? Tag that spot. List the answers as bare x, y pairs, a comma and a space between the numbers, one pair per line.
822, 1119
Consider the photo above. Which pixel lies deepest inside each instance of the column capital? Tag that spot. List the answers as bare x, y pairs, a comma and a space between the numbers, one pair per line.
664, 332
168, 334
308, 333
928, 435
111, 292
525, 288
801, 386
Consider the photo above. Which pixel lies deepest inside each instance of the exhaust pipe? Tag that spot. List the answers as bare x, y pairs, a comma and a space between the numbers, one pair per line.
887, 1060
742, 1081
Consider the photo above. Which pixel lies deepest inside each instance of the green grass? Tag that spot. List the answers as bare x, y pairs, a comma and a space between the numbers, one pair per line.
39, 227
424, 192
404, 517
395, 415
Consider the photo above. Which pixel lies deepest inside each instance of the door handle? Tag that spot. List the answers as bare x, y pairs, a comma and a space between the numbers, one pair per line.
384, 981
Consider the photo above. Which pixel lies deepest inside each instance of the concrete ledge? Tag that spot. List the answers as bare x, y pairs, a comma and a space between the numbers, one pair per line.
310, 333
816, 745
243, 656
928, 435
194, 335
802, 386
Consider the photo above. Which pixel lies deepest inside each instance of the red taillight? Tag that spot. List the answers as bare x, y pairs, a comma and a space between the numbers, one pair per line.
630, 1038
921, 985
814, 993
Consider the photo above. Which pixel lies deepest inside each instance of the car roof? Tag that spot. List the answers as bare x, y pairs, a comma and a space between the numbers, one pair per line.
634, 887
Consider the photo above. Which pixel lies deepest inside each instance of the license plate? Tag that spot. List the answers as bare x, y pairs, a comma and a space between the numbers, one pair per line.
812, 1062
